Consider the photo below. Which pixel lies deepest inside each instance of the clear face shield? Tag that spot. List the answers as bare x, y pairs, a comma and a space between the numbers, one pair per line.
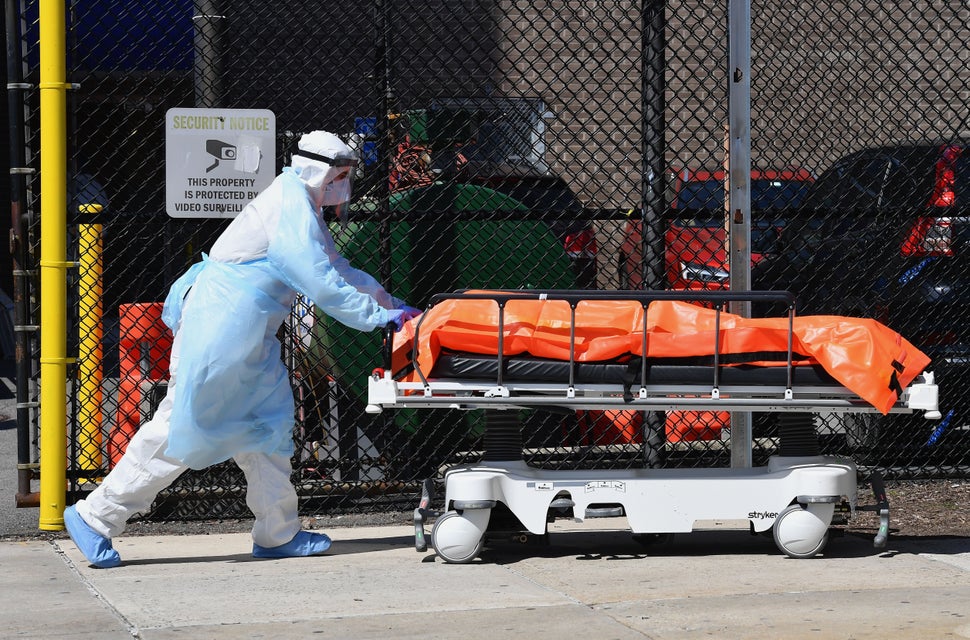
340, 181
337, 193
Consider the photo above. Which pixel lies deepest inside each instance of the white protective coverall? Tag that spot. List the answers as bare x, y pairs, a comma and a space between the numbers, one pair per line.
229, 394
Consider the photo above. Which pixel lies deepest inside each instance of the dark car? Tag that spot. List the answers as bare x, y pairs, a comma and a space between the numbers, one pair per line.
885, 233
495, 145
882, 233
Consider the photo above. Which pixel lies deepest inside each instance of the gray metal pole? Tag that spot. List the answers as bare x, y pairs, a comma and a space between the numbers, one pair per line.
207, 21
739, 195
385, 93
653, 46
653, 63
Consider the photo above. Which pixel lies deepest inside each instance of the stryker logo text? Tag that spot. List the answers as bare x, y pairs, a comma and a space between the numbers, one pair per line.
762, 515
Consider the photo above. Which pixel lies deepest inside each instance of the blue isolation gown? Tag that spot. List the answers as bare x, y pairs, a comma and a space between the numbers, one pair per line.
232, 391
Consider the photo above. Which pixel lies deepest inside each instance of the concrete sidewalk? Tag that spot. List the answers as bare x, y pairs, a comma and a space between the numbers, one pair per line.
596, 584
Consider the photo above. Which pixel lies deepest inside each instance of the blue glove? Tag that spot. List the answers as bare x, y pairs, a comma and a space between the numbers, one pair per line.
398, 317
410, 312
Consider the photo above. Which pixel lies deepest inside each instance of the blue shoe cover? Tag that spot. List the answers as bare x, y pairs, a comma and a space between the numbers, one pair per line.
95, 547
305, 543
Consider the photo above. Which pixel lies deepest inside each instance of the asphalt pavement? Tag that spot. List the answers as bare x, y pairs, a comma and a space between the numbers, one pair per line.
588, 579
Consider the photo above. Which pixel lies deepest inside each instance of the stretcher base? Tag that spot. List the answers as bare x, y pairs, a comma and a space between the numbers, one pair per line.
796, 498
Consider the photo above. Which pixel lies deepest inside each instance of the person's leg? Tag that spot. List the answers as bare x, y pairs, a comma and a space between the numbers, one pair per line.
133, 483
129, 488
271, 497
273, 501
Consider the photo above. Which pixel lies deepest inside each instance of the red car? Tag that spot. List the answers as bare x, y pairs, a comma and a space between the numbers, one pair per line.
695, 255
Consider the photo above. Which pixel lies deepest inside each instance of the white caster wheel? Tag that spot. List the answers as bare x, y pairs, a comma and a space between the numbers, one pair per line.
456, 539
799, 532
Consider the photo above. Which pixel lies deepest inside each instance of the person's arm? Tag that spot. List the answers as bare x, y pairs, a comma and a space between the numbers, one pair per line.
360, 280
298, 248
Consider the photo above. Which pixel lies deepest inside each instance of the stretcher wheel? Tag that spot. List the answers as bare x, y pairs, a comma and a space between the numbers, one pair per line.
799, 532
457, 539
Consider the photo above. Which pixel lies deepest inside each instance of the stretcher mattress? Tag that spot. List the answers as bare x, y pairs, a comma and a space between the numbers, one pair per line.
532, 336
472, 366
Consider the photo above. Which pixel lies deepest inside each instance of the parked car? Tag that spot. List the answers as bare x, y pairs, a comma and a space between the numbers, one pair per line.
881, 233
695, 255
885, 233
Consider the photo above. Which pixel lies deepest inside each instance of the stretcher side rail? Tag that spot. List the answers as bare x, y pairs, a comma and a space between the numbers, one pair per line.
574, 298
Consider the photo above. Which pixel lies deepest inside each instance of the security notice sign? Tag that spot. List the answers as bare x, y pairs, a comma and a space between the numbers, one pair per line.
217, 160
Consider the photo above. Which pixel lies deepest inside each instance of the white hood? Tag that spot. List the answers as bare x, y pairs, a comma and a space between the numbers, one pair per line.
319, 175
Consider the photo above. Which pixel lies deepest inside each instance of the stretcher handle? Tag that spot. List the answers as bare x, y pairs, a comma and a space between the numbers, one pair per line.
387, 346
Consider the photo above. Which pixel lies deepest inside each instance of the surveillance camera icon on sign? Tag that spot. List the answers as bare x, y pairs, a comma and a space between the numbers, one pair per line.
220, 151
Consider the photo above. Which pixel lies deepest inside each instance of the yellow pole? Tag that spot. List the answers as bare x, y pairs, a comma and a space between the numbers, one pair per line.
90, 332
53, 266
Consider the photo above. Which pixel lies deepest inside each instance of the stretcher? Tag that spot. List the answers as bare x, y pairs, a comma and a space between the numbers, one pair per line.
503, 351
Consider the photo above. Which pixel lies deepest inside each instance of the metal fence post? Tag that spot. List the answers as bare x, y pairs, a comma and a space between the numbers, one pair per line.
53, 266
739, 195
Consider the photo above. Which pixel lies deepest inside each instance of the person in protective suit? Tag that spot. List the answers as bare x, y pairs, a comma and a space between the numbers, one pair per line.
229, 394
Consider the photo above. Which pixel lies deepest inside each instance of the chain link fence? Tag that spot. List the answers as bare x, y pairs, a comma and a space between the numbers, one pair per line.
550, 144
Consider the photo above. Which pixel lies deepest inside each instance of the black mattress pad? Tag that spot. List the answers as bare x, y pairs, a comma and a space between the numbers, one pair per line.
732, 370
